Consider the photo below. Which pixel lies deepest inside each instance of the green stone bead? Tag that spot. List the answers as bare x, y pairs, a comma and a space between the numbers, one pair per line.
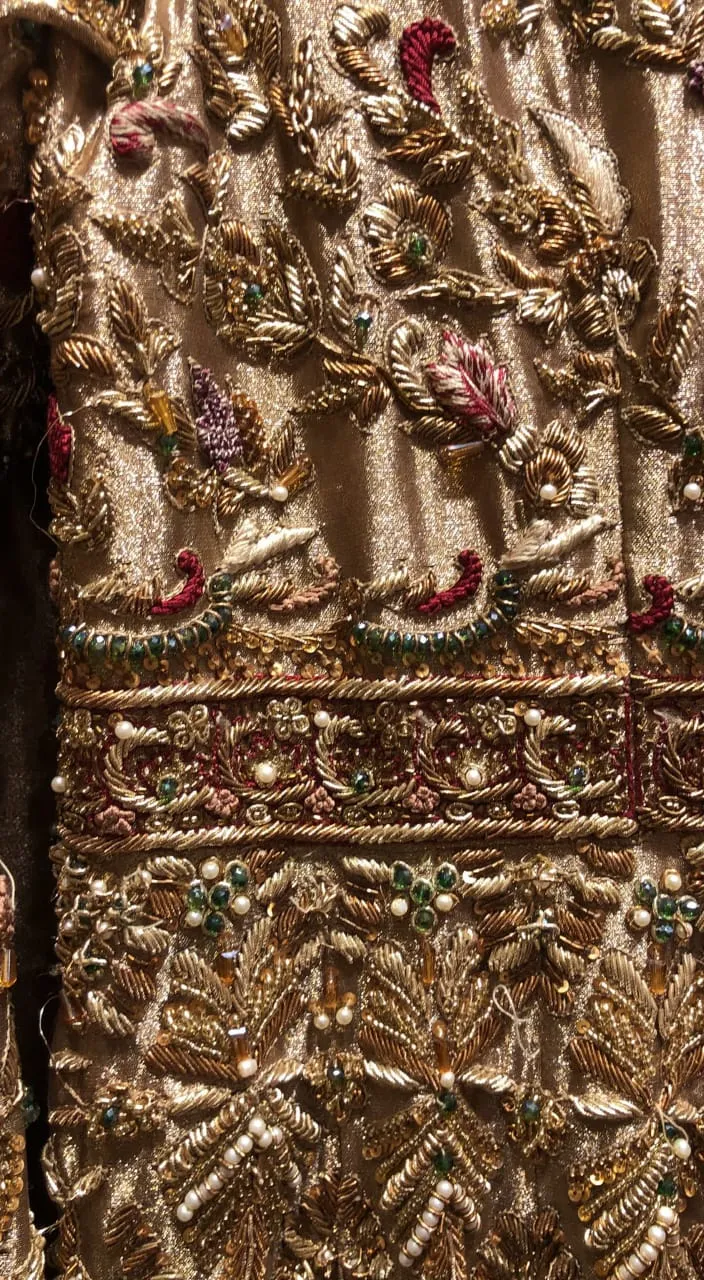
167, 789
137, 653
79, 640
360, 781
196, 897
421, 892
665, 906
203, 632
417, 247
438, 640
667, 1187
156, 646
238, 875
444, 1161
187, 637
214, 923
392, 642
110, 1116
336, 1076
97, 648
220, 896
401, 876
530, 1110
663, 931
253, 294
504, 578
359, 632
688, 637
220, 584
408, 644
672, 627
424, 919
692, 445
375, 639
689, 909
167, 444
646, 892
447, 1101
142, 76
446, 876
423, 646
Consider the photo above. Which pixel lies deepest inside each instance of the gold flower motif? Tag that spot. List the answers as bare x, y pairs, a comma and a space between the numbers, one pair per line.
406, 233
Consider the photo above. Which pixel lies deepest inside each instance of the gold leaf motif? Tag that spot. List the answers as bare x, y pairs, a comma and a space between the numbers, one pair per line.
651, 424
673, 340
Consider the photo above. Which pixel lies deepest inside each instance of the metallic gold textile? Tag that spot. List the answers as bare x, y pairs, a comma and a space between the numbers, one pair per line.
377, 477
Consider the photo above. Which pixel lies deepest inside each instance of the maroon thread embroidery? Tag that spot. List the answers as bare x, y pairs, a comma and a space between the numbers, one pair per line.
135, 126
420, 43
663, 597
60, 440
465, 586
187, 562
471, 387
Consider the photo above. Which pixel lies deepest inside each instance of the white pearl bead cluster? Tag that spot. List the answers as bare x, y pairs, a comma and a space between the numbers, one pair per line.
259, 1134
427, 1223
265, 773
344, 1014
692, 491
643, 1257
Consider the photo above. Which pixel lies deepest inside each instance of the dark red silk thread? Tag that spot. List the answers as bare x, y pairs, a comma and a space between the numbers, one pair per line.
663, 597
187, 562
420, 43
465, 586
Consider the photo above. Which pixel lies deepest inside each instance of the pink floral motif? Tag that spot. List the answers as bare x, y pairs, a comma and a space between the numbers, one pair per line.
529, 799
60, 440
114, 821
422, 800
223, 804
319, 802
473, 389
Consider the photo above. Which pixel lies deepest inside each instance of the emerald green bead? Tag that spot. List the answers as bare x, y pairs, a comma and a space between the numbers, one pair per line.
530, 1110
438, 641
444, 1161
646, 892
423, 646
392, 642
167, 444
447, 1100
453, 644
482, 628
689, 908
688, 637
214, 923
79, 640
672, 626
336, 1075
665, 906
408, 643
142, 76
110, 1117
187, 637
238, 875
212, 621
360, 781
137, 653
401, 876
97, 646
504, 578
663, 931
692, 445
417, 248
424, 919
578, 777
166, 789
667, 1186
220, 896
220, 584
446, 876
375, 639
253, 294
359, 632
362, 324
172, 645
156, 646
196, 897
671, 1131
203, 632
421, 892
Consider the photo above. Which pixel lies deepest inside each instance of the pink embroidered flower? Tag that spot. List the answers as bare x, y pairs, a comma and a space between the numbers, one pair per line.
319, 802
114, 821
422, 800
529, 799
223, 804
470, 387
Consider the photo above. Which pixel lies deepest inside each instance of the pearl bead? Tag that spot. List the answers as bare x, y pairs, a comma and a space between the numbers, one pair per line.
640, 917
474, 776
321, 719
413, 1248
344, 1015
192, 1200
532, 717
257, 1126
321, 1021
430, 1219
194, 919
665, 1215
682, 1148
447, 1081
404, 1260
231, 1156
98, 886
548, 492
247, 1067
38, 278
621, 1273
436, 1204
58, 784
266, 1140
637, 1267
183, 1213
421, 1233
241, 904
692, 491
266, 773
672, 880
444, 1187
244, 1144
399, 907
647, 1252
210, 869
444, 902
214, 1182
124, 729
278, 493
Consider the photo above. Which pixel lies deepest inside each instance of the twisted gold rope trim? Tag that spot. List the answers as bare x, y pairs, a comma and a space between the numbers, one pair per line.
338, 833
364, 690
649, 688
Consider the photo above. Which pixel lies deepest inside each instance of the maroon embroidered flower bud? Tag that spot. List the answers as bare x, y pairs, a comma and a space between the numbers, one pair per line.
695, 77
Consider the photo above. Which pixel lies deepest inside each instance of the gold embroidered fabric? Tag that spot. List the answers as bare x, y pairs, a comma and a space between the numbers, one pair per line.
377, 478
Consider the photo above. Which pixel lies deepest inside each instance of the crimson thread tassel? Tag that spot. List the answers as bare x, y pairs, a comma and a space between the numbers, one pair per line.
663, 597
420, 43
187, 562
465, 586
